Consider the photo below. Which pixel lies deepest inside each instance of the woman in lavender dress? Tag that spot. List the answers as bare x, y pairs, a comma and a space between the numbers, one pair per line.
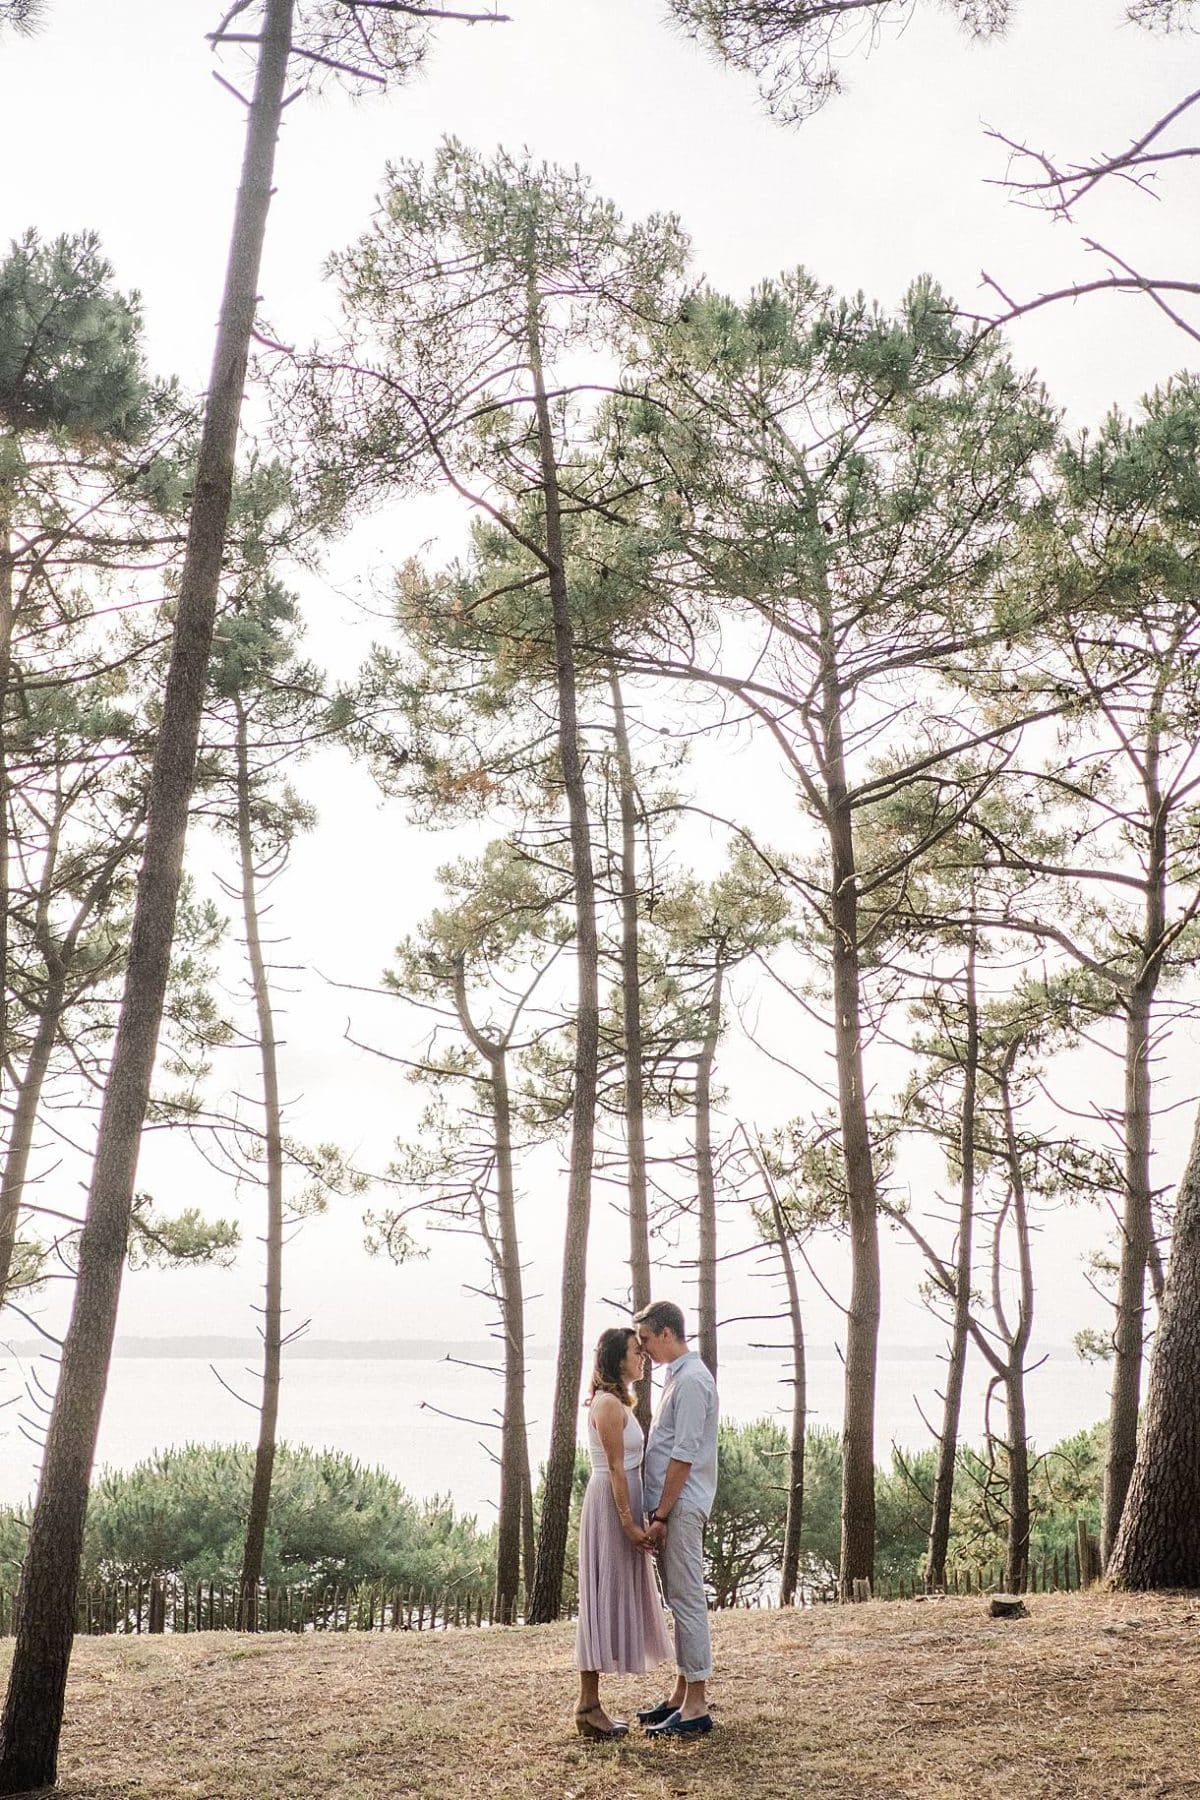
621, 1626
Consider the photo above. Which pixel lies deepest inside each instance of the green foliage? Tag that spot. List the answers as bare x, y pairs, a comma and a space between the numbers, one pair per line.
1065, 1485
820, 1536
1093, 1346
188, 1237
903, 1509
466, 242
752, 1505
743, 1546
475, 966
503, 908
580, 1477
804, 1161
880, 506
476, 271
467, 261
795, 49
33, 1264
196, 1021
184, 1513
740, 914
70, 357
13, 1534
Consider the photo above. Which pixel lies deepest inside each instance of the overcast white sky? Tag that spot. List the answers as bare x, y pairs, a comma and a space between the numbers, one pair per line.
111, 119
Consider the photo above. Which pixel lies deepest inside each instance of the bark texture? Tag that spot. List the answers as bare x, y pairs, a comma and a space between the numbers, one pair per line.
514, 1443
6, 631
515, 1525
1016, 1338
272, 1325
947, 1454
1158, 1544
1137, 1218
546, 1599
862, 1319
28, 1096
706, 1179
62, 986
794, 1525
33, 1711
631, 993
1017, 1548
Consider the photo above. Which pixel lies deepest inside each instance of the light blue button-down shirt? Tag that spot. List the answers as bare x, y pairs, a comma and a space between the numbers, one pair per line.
684, 1429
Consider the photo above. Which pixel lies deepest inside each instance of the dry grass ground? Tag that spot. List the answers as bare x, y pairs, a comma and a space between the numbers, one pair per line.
1092, 1696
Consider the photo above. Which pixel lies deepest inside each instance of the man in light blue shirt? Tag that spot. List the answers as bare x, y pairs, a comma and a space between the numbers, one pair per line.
680, 1484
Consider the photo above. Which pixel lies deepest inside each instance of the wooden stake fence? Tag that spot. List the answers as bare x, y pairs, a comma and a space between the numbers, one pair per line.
163, 1604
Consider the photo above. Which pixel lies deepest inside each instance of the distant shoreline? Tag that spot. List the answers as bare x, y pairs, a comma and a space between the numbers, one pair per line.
485, 1351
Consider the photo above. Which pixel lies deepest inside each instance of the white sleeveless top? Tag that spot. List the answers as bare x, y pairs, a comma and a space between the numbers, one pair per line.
634, 1444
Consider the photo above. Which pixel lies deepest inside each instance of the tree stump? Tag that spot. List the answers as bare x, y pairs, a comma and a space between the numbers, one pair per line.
1008, 1606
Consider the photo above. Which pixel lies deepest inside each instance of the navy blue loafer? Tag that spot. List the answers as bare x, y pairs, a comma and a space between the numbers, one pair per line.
676, 1726
654, 1715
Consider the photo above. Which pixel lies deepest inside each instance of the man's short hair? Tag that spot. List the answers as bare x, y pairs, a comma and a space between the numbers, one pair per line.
662, 1315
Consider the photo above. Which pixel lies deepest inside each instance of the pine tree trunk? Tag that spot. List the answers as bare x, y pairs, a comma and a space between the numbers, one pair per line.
33, 1711
546, 1599
58, 954
6, 631
947, 1457
1136, 1231
272, 1325
528, 1538
514, 1535
23, 1125
1158, 1544
1014, 1373
514, 1442
706, 1181
862, 1320
1016, 1575
1137, 1220
631, 993
794, 1525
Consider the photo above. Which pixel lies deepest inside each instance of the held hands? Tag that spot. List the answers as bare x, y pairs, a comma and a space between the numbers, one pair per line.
656, 1536
639, 1538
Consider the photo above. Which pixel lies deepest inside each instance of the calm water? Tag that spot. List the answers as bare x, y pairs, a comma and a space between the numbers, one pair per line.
383, 1411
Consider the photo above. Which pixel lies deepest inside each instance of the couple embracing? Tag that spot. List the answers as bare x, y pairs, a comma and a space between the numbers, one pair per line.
645, 1502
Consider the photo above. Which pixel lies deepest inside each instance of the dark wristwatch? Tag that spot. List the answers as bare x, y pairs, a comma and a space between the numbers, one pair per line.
657, 1518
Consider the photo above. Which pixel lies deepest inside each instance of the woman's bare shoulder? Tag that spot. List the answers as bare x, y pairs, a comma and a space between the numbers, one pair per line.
605, 1406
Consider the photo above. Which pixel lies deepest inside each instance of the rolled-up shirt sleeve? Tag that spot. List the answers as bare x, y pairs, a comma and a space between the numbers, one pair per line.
691, 1418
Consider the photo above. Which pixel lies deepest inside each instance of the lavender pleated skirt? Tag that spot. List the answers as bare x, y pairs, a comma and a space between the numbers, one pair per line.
621, 1629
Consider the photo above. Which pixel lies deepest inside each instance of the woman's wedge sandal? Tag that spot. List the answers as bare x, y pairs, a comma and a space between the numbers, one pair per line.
586, 1726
